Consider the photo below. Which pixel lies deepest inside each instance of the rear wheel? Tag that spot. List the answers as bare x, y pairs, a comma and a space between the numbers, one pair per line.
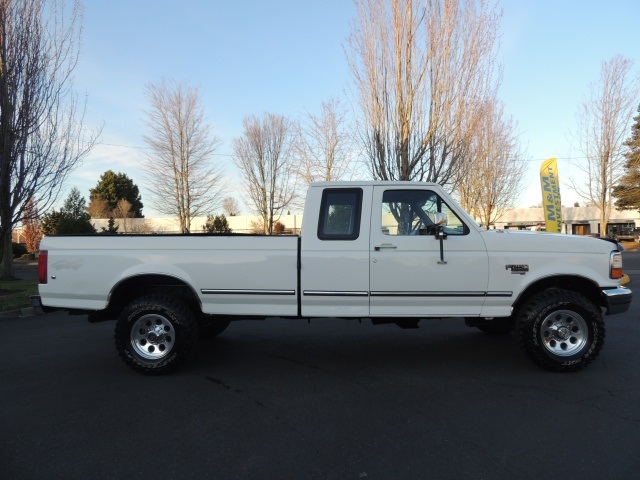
155, 333
561, 330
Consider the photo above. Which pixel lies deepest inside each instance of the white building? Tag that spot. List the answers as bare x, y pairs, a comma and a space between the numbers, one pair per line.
576, 220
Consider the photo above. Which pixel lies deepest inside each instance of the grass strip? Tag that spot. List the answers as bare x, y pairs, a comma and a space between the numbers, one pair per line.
14, 294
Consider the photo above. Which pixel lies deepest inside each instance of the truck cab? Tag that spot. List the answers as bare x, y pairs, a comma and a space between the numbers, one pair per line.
374, 250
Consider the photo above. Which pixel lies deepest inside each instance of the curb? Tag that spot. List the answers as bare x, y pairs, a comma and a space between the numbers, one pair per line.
22, 312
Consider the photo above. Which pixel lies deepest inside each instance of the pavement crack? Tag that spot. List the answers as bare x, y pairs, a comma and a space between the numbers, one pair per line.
297, 362
230, 388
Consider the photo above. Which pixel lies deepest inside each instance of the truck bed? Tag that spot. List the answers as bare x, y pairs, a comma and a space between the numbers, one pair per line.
85, 269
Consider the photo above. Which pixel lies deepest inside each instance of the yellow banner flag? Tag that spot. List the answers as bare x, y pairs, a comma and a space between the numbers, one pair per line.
550, 183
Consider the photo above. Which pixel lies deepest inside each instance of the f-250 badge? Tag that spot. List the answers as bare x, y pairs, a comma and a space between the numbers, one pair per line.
517, 269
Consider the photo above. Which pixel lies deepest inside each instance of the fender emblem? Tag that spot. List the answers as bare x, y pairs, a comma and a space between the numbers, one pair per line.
517, 269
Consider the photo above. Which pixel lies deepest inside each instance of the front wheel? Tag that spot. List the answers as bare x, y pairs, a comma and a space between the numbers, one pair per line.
155, 333
561, 330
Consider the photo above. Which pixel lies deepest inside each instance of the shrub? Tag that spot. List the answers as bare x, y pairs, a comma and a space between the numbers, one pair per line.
278, 228
18, 249
217, 225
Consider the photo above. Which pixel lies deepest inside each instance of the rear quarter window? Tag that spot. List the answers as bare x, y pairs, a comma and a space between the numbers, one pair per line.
340, 212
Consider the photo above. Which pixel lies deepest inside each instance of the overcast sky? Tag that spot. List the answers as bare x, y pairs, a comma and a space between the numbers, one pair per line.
286, 57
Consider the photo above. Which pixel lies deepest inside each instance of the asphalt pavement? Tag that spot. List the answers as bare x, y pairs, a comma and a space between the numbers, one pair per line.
329, 399
25, 269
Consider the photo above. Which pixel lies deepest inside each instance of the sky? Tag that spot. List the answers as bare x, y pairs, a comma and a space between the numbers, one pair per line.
249, 57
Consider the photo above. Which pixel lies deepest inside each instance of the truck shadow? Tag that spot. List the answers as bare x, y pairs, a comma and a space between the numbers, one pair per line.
333, 348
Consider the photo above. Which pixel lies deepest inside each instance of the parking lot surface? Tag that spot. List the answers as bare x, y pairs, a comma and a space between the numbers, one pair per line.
329, 399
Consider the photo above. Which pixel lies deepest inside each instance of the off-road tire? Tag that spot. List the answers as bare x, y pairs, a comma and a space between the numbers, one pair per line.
561, 330
155, 333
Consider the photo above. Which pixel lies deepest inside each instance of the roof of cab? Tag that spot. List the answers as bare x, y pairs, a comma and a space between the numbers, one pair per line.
374, 183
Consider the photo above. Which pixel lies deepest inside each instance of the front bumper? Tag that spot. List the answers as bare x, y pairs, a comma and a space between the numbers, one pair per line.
617, 300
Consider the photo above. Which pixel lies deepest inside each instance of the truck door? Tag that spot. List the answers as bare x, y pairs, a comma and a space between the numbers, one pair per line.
334, 272
407, 276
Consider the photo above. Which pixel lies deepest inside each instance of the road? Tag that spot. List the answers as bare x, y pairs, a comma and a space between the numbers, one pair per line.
631, 260
333, 399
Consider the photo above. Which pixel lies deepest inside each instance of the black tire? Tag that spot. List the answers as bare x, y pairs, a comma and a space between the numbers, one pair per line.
560, 330
155, 333
212, 326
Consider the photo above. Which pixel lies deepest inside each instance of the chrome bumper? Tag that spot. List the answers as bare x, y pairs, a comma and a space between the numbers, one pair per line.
617, 300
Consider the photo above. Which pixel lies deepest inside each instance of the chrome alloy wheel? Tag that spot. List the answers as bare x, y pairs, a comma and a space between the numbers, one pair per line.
152, 336
564, 333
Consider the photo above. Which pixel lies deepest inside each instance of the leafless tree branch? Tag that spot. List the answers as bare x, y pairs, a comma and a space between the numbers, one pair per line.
263, 154
42, 138
491, 182
184, 179
420, 68
603, 120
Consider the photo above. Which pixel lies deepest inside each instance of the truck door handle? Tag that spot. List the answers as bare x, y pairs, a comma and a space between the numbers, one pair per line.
385, 246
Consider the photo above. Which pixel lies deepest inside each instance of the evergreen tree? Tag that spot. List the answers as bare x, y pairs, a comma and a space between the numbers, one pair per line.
628, 190
72, 217
217, 224
111, 227
114, 187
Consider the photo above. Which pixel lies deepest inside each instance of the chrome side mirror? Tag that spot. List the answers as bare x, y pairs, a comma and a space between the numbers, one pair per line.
440, 219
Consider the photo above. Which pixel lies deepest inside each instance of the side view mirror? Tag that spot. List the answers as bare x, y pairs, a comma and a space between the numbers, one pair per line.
440, 219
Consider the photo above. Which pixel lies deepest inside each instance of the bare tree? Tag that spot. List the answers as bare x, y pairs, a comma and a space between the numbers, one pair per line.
603, 120
231, 207
99, 208
145, 226
491, 182
323, 147
124, 212
186, 180
263, 154
42, 138
421, 67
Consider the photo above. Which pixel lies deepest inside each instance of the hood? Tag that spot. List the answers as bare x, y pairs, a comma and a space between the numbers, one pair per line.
526, 241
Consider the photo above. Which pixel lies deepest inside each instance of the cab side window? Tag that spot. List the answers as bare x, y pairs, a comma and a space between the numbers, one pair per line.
340, 212
410, 212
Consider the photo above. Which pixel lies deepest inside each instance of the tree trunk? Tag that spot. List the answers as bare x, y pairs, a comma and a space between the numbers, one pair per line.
6, 268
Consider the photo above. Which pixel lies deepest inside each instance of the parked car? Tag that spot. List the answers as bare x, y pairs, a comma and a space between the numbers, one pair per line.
627, 234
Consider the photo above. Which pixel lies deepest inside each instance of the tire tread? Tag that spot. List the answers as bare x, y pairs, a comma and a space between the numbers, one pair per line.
528, 334
183, 319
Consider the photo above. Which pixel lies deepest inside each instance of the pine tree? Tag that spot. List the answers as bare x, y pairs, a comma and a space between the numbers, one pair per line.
217, 224
111, 229
72, 217
113, 188
628, 190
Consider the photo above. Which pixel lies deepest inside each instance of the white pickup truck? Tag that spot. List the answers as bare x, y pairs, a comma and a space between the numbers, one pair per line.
394, 252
